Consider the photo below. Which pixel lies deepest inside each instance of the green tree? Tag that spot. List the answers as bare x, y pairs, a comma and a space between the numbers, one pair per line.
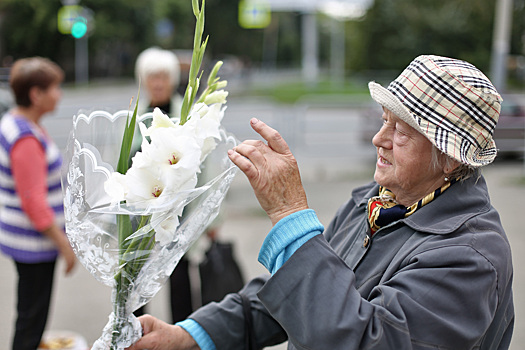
122, 28
398, 30
227, 37
29, 28
395, 31
179, 13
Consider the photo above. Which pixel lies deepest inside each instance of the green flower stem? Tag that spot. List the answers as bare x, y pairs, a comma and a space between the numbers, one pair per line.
122, 282
197, 57
132, 259
130, 249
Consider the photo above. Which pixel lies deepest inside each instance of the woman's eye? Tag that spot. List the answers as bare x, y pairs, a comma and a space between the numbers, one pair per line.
400, 130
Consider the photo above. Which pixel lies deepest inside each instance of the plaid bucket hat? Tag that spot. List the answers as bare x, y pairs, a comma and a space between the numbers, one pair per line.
449, 101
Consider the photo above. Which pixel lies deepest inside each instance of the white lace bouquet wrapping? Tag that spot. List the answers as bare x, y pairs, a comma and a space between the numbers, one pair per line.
124, 223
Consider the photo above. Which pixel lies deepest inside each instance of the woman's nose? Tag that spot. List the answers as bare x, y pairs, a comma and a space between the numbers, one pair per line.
381, 138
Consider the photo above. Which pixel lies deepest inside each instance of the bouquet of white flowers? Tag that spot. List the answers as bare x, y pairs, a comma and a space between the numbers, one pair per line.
123, 222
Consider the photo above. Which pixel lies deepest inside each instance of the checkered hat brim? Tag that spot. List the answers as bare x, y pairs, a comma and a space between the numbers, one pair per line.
449, 101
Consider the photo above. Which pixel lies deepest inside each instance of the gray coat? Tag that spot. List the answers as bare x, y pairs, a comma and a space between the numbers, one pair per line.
439, 279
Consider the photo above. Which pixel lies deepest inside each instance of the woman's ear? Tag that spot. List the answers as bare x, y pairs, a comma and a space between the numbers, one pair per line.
450, 166
35, 95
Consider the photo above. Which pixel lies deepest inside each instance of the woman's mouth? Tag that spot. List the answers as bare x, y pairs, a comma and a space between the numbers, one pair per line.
382, 160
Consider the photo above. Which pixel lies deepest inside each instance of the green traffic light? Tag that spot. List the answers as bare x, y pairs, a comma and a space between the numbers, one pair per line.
79, 28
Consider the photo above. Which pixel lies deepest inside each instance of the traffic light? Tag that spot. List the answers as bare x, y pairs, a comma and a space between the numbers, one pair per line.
75, 20
79, 27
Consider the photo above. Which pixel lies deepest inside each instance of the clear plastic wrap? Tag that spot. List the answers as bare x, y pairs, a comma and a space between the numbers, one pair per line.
137, 265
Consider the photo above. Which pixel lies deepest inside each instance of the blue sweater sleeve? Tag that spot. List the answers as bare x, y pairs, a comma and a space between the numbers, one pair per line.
288, 235
198, 333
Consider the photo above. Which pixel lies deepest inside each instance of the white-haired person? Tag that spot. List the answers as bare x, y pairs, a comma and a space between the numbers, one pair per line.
158, 71
416, 259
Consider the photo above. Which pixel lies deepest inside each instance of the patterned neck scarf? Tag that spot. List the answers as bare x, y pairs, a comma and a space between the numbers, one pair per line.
384, 209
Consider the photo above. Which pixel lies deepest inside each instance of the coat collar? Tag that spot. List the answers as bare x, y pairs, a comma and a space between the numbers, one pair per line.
461, 202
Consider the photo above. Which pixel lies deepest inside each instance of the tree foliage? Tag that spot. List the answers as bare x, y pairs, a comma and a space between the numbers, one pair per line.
389, 36
29, 28
395, 31
121, 29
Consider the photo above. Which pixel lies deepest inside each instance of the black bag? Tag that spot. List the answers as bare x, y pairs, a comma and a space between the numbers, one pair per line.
219, 273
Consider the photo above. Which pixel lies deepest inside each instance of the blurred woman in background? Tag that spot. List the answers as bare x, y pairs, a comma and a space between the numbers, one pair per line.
31, 205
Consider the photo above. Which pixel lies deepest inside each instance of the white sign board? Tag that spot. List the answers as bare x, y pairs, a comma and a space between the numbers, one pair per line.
317, 5
294, 5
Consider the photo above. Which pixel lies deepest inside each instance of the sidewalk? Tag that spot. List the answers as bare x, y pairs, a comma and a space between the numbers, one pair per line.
81, 304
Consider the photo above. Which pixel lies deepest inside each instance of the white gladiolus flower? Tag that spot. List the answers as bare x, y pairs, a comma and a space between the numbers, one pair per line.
144, 184
215, 113
116, 187
216, 97
164, 231
169, 149
169, 161
200, 110
207, 127
161, 120
165, 228
206, 120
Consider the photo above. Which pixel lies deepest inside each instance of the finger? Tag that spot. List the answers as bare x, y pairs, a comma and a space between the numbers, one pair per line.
249, 148
70, 264
146, 323
272, 136
243, 163
255, 153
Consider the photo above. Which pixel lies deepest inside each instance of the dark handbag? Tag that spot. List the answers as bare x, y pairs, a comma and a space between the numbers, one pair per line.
219, 273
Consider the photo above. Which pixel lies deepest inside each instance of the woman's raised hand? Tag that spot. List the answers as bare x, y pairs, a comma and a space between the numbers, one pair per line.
272, 171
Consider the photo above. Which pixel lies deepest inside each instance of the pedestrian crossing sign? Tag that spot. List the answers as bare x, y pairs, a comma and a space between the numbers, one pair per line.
254, 14
67, 16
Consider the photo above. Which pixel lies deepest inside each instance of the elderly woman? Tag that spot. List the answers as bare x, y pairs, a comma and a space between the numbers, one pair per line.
31, 203
158, 71
417, 259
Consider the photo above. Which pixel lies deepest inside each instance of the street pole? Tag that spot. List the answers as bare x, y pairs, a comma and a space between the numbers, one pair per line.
310, 64
337, 52
501, 43
81, 60
270, 45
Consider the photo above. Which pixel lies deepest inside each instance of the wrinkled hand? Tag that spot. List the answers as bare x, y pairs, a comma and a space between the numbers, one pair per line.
272, 171
159, 335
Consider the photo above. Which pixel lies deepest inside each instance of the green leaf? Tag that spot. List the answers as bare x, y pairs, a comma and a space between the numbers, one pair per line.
123, 221
127, 140
124, 230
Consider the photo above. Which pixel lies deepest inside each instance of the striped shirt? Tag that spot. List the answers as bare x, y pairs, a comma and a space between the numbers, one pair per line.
19, 238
